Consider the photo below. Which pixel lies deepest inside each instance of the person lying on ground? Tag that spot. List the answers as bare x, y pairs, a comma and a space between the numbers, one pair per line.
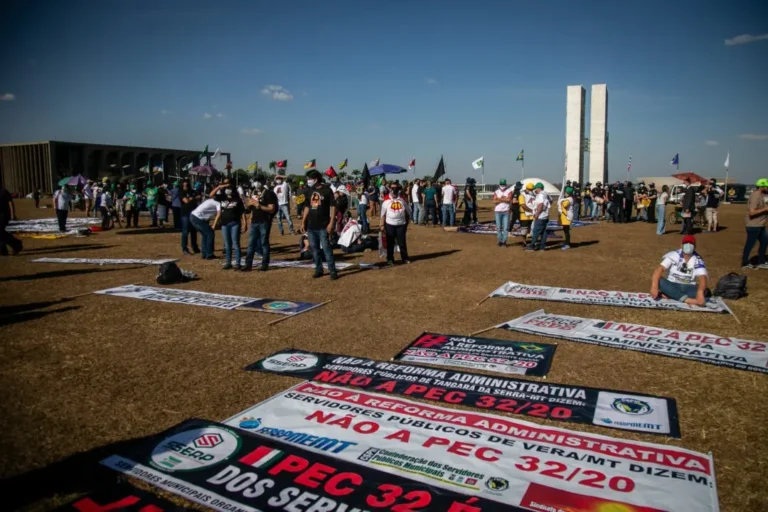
687, 275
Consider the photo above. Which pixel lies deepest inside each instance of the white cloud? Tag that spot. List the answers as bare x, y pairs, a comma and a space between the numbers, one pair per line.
7, 97
305, 93
165, 112
753, 136
431, 81
207, 116
251, 131
277, 92
745, 39
219, 115
711, 143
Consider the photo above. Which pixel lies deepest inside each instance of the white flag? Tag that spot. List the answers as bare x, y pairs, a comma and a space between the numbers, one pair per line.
478, 164
728, 160
216, 153
188, 166
374, 163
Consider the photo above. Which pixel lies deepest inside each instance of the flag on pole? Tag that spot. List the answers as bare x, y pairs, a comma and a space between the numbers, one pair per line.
330, 172
727, 163
253, 166
144, 169
412, 164
366, 177
282, 164
675, 160
374, 163
188, 166
629, 165
478, 164
343, 164
311, 164
217, 153
440, 171
520, 156
204, 152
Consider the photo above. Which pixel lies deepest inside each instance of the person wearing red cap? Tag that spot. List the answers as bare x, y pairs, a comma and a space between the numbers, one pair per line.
687, 276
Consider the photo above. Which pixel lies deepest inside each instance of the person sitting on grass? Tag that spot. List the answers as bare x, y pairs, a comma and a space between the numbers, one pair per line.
687, 275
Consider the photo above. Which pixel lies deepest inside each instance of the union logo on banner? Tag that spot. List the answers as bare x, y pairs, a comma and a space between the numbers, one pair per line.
297, 358
208, 440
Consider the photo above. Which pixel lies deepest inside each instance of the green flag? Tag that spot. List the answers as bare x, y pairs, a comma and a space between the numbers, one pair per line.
204, 151
520, 157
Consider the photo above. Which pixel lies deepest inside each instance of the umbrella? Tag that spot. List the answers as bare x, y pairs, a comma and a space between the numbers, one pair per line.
386, 169
72, 181
204, 170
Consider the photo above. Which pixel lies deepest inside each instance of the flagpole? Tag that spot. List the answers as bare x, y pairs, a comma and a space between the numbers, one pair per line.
728, 158
522, 164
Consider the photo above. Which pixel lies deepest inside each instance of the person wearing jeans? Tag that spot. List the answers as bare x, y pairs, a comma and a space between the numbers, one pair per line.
661, 210
61, 204
687, 275
416, 192
449, 204
362, 212
231, 215
757, 216
188, 200
283, 193
502, 199
210, 208
541, 213
395, 216
318, 223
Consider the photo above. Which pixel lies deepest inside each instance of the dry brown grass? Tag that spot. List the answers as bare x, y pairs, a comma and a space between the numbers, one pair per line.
96, 370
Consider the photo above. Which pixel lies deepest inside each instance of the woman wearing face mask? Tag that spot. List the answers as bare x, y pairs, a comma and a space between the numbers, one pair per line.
232, 209
502, 198
131, 202
687, 275
395, 216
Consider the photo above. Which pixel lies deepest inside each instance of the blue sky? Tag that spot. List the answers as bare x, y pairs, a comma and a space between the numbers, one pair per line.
393, 79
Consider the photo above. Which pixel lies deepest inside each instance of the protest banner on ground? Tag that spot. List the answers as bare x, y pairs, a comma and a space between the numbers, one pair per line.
574, 404
340, 265
603, 298
121, 496
234, 470
499, 458
50, 225
213, 300
707, 348
512, 357
103, 261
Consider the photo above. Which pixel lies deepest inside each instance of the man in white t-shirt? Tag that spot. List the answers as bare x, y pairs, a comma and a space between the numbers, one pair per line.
88, 195
540, 218
283, 193
502, 199
687, 275
200, 216
449, 204
61, 199
416, 201
395, 216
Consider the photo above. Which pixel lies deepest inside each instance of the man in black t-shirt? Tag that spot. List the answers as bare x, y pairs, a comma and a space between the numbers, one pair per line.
618, 203
189, 201
713, 193
7, 214
318, 222
262, 206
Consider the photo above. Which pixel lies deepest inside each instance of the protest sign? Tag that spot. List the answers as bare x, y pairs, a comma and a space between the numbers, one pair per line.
212, 300
228, 470
707, 348
603, 298
281, 307
103, 261
511, 461
513, 357
574, 404
121, 496
50, 225
340, 265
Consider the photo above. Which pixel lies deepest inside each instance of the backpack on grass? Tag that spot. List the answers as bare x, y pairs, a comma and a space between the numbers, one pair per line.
170, 273
733, 286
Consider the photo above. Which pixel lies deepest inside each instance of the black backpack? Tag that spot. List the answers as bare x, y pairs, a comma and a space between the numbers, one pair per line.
170, 273
732, 286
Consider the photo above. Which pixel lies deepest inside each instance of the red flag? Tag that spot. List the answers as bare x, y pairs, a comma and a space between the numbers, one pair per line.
412, 164
330, 172
282, 164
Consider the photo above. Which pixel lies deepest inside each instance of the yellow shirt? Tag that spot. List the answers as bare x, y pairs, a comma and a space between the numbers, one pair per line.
523, 213
565, 205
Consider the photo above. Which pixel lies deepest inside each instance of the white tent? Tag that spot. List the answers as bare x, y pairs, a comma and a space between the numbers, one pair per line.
549, 188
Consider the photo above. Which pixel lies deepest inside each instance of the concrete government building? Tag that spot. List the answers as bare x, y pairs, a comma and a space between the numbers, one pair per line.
41, 165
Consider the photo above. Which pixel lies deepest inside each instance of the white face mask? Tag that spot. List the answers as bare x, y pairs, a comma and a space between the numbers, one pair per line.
502, 187
311, 182
688, 248
257, 186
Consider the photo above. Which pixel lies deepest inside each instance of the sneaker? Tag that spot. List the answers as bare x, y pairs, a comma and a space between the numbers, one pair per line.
498, 244
317, 274
763, 266
407, 262
390, 263
334, 276
748, 266
528, 249
245, 269
227, 267
237, 268
195, 251
263, 268
186, 253
565, 247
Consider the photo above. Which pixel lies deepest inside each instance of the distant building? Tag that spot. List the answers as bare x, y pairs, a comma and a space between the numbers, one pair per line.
574, 132
598, 134
41, 165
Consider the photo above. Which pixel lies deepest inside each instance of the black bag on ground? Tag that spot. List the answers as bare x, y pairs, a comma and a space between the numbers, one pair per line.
732, 286
170, 273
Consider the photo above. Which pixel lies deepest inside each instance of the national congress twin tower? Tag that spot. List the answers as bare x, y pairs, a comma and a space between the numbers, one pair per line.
576, 144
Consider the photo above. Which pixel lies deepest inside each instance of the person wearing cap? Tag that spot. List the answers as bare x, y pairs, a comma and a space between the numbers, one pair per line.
525, 201
587, 200
541, 218
565, 209
597, 201
176, 205
262, 206
687, 275
395, 216
318, 221
757, 216
502, 199
713, 193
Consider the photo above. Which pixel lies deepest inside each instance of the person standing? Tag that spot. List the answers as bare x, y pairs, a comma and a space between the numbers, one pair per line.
541, 215
7, 214
151, 193
629, 200
263, 207
653, 197
163, 204
395, 216
232, 210
362, 211
565, 208
713, 193
318, 223
105, 203
189, 201
131, 202
88, 195
61, 200
473, 194
176, 205
587, 200
200, 217
641, 196
415, 202
502, 199
526, 200
757, 216
689, 208
429, 197
469, 204
576, 198
514, 206
449, 204
283, 193
661, 210
619, 203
